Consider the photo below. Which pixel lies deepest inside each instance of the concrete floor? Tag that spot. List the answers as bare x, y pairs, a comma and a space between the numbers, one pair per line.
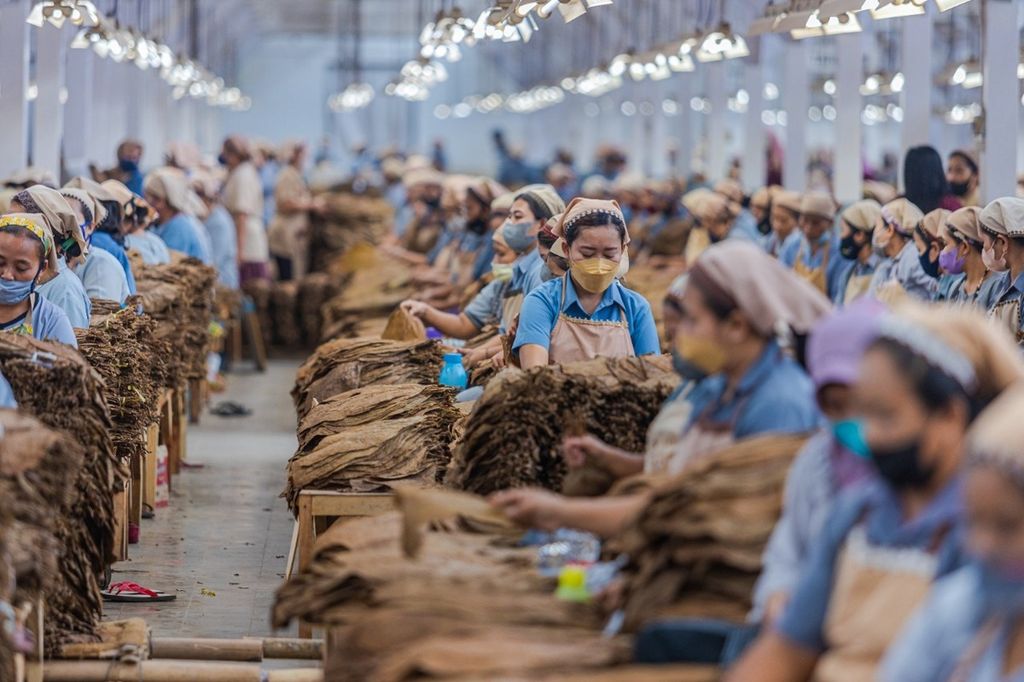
221, 545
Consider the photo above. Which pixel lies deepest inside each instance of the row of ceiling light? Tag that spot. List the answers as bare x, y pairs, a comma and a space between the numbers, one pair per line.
813, 18
109, 40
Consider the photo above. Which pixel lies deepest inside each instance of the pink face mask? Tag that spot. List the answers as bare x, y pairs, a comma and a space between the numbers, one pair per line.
988, 257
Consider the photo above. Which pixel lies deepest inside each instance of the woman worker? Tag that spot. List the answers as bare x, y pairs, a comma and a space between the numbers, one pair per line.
288, 234
586, 313
785, 237
531, 209
27, 249
972, 282
736, 300
901, 262
815, 253
851, 278
921, 384
101, 274
167, 192
106, 229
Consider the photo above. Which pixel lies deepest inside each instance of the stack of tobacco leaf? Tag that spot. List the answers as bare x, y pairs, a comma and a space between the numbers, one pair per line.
369, 438
8, 576
349, 219
376, 285
179, 297
283, 315
314, 291
696, 549
514, 434
56, 385
346, 364
120, 345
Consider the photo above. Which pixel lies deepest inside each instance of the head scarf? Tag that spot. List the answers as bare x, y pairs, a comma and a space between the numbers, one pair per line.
818, 204
171, 186
932, 223
38, 226
422, 176
730, 189
863, 215
713, 207
29, 176
59, 214
92, 187
544, 195
676, 290
903, 215
837, 343
997, 436
1004, 217
767, 292
485, 190
91, 203
693, 200
965, 224
788, 200
579, 208
503, 202
762, 198
596, 185
882, 192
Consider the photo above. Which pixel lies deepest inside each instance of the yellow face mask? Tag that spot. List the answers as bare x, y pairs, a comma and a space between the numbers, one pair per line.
594, 274
702, 353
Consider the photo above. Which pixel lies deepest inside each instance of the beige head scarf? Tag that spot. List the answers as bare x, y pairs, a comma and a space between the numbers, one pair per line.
87, 200
59, 214
170, 185
38, 226
485, 190
818, 204
715, 207
92, 187
762, 198
903, 215
788, 200
767, 292
579, 208
545, 195
933, 221
964, 224
1004, 216
997, 436
503, 202
730, 189
863, 215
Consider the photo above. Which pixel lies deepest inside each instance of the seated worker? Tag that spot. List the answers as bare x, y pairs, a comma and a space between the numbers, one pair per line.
901, 262
815, 256
785, 238
101, 274
26, 251
587, 313
761, 209
921, 384
1002, 232
961, 259
106, 232
851, 278
136, 223
735, 302
167, 191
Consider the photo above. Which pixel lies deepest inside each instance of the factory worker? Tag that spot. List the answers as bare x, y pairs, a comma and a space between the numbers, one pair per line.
929, 240
60, 285
106, 231
167, 191
27, 249
785, 239
901, 263
101, 274
587, 313
289, 232
851, 278
138, 233
972, 283
533, 206
920, 385
744, 224
221, 229
963, 177
761, 209
816, 254
1002, 234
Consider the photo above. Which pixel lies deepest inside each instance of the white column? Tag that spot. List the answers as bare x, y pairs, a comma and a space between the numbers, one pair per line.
796, 95
78, 112
999, 97
916, 98
48, 119
755, 164
13, 84
659, 146
848, 178
718, 121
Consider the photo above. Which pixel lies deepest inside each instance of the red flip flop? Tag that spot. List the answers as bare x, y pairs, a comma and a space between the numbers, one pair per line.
132, 592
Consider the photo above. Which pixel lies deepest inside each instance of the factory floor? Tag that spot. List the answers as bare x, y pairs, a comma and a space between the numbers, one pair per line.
221, 545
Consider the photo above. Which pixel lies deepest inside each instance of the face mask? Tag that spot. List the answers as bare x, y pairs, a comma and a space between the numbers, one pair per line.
850, 434
951, 262
477, 226
128, 166
222, 160
901, 466
686, 369
930, 267
623, 266
1001, 588
433, 202
848, 248
593, 274
518, 237
765, 226
959, 189
502, 271
14, 291
704, 354
988, 257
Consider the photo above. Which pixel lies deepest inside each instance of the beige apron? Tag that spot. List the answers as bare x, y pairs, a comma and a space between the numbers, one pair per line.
573, 340
1008, 314
876, 591
856, 287
815, 276
510, 308
665, 434
704, 437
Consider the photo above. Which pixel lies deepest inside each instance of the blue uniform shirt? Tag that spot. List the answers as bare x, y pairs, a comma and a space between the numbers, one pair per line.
785, 250
223, 245
7, 394
49, 323
525, 273
486, 307
984, 298
905, 269
745, 228
541, 310
104, 241
842, 271
150, 247
182, 233
878, 508
103, 277
67, 293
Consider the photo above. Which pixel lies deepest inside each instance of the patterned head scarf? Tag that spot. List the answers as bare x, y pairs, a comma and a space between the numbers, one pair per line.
59, 215
580, 207
38, 227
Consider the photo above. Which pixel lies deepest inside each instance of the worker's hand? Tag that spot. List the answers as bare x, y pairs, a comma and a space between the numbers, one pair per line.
775, 606
417, 309
531, 507
498, 360
578, 449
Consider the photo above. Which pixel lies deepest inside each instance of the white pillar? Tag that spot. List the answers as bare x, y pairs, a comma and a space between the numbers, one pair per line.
796, 94
13, 84
48, 119
78, 115
755, 164
1000, 100
718, 121
848, 178
916, 98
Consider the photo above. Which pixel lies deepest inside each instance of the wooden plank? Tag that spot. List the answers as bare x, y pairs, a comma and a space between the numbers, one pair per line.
121, 523
255, 337
135, 490
181, 424
196, 399
329, 503
149, 466
306, 540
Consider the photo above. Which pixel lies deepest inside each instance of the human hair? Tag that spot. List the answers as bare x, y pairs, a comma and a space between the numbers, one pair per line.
19, 231
597, 219
546, 239
924, 177
86, 211
112, 223
961, 238
716, 299
538, 208
935, 388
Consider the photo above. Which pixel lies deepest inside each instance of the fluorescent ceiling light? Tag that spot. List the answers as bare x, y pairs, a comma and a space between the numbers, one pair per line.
572, 10
890, 10
793, 21
946, 5
762, 25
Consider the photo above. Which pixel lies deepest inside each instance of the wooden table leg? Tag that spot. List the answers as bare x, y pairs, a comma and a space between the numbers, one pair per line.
149, 466
135, 491
305, 548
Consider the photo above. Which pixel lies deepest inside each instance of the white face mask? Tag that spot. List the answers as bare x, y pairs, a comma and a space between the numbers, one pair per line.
881, 238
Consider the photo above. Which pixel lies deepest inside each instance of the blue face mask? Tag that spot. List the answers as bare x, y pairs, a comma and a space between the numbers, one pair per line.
13, 291
128, 166
518, 237
850, 434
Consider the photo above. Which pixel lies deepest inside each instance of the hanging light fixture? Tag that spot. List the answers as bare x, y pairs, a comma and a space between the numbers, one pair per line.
946, 5
894, 9
818, 25
720, 44
56, 12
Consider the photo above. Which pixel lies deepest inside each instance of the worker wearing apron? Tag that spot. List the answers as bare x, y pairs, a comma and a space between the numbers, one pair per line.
972, 282
901, 263
1002, 232
851, 278
587, 313
815, 253
886, 542
785, 239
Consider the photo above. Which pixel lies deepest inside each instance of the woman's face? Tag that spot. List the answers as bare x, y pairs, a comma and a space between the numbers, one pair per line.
503, 254
497, 219
836, 401
783, 221
814, 227
997, 244
162, 208
597, 242
20, 259
994, 507
521, 213
473, 209
718, 229
671, 318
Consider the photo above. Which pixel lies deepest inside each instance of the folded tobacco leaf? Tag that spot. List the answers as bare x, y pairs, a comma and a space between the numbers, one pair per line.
314, 291
404, 327
283, 315
349, 219
703, 533
420, 507
370, 294
513, 436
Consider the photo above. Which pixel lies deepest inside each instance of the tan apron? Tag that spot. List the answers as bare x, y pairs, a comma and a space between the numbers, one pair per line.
510, 308
856, 287
704, 437
815, 276
875, 592
665, 434
1008, 314
573, 340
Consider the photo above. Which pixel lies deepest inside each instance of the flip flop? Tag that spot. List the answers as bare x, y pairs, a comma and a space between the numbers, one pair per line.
229, 408
132, 592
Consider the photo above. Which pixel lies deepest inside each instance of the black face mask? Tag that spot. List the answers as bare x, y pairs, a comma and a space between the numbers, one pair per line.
765, 226
849, 248
477, 226
433, 202
222, 160
901, 466
959, 189
931, 268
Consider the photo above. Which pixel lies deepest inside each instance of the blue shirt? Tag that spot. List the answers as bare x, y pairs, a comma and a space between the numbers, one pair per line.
525, 273
7, 394
774, 396
103, 277
905, 269
67, 293
102, 240
182, 233
541, 310
745, 228
785, 250
486, 307
828, 246
223, 245
842, 271
150, 247
984, 298
49, 323
875, 508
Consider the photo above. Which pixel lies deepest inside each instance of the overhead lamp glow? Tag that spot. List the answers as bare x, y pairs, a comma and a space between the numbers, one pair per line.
894, 9
57, 12
832, 26
946, 5
722, 44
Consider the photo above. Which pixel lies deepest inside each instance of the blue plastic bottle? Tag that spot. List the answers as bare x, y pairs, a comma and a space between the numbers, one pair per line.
453, 373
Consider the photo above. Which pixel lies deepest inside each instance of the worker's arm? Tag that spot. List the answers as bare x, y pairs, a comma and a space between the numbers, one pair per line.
240, 222
532, 355
773, 658
620, 463
453, 326
603, 516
